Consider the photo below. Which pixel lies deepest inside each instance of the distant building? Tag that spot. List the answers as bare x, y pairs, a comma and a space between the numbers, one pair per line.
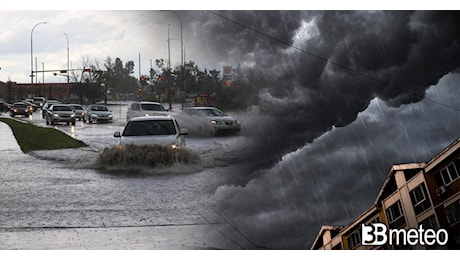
60, 91
415, 194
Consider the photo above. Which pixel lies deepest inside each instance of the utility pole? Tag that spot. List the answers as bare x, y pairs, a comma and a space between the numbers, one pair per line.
169, 72
68, 76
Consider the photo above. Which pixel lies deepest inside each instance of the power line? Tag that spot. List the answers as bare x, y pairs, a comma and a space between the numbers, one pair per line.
350, 70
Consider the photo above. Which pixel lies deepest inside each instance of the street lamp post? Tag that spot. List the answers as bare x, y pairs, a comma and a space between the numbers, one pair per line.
67, 37
31, 54
181, 54
169, 72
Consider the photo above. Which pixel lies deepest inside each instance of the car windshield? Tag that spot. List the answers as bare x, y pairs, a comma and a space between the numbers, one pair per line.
153, 107
210, 112
77, 107
62, 108
149, 127
20, 105
99, 108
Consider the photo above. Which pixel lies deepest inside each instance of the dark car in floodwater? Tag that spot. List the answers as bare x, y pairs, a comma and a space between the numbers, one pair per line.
20, 109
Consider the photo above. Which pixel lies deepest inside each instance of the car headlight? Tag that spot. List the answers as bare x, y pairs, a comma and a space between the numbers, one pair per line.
110, 116
173, 146
72, 115
215, 122
55, 115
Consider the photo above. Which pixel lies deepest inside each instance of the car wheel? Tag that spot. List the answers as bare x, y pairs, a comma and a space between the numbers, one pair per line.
73, 122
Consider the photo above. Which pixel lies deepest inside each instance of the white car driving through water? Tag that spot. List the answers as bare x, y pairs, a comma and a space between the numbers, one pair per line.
156, 130
207, 121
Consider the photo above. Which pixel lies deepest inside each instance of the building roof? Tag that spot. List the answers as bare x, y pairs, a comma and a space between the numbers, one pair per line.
319, 236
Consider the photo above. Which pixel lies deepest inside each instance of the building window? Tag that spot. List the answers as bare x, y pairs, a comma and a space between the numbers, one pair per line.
430, 223
453, 213
420, 199
395, 215
354, 239
450, 173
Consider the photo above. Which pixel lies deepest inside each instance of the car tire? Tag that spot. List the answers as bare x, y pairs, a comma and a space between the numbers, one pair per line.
73, 123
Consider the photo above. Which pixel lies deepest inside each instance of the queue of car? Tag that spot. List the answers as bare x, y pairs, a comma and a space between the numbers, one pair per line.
54, 111
147, 123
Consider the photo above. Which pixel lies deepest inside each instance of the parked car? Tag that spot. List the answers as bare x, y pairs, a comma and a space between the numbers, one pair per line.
97, 113
153, 130
20, 108
48, 103
145, 108
78, 110
207, 121
60, 113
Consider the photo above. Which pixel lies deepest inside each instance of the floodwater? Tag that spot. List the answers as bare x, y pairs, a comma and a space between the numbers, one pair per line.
61, 199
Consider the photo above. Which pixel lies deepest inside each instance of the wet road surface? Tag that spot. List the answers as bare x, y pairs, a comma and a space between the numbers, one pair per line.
60, 200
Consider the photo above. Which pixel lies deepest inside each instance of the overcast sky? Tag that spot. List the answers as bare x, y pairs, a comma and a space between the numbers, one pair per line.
345, 95
95, 35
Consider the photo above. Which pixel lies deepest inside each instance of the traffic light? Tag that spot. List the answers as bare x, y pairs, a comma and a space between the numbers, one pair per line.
143, 80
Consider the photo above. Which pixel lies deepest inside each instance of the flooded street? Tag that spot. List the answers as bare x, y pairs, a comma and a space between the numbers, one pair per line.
60, 199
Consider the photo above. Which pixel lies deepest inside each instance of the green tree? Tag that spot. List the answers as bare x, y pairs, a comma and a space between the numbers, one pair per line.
118, 77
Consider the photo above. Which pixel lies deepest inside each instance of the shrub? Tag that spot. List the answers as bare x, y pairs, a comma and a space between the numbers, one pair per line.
145, 155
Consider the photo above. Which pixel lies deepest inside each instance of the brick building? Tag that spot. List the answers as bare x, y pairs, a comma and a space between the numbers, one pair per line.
16, 91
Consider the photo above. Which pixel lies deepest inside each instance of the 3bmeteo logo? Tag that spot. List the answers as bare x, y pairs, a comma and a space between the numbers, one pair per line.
378, 234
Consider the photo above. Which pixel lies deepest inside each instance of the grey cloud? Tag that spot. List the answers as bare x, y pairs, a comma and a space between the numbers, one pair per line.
400, 54
334, 179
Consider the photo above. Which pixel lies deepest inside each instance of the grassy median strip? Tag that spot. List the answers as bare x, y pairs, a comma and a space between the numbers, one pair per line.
31, 137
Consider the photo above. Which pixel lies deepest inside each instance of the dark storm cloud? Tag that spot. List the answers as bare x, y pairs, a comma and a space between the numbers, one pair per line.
338, 176
327, 77
322, 69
